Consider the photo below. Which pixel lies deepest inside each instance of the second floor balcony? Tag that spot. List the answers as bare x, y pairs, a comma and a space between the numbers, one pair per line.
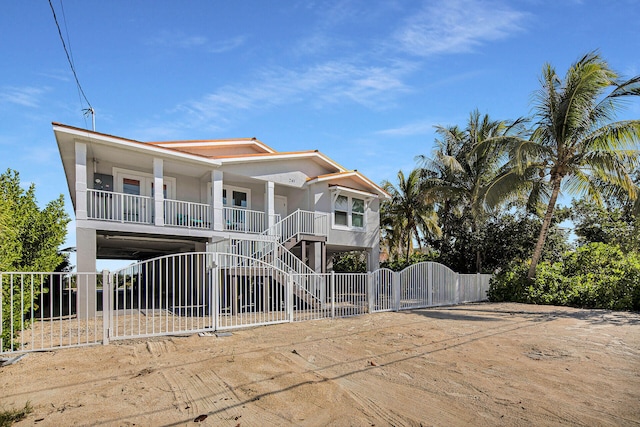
128, 208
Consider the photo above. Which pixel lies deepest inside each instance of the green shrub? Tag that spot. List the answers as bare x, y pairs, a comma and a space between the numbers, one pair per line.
509, 284
596, 275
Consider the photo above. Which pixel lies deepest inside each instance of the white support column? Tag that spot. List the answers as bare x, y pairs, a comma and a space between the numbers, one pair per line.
269, 203
158, 191
81, 180
216, 200
86, 263
316, 262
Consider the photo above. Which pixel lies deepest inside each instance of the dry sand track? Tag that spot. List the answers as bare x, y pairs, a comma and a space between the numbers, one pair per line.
478, 364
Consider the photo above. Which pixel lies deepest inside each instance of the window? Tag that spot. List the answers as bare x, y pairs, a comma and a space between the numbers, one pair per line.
341, 211
357, 213
348, 212
141, 183
240, 197
131, 186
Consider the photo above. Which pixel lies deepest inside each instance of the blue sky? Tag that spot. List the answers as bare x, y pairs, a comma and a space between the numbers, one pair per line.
362, 81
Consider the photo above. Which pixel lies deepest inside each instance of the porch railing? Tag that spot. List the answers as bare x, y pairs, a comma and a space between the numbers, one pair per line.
110, 206
301, 222
244, 220
187, 214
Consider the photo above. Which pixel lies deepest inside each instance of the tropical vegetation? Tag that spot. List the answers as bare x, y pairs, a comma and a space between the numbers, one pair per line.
30, 238
494, 185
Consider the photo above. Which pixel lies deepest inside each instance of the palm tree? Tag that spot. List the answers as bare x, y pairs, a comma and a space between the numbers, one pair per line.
575, 143
408, 215
464, 165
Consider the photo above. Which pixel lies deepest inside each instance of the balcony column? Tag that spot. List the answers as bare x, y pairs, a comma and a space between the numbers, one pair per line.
269, 204
81, 180
216, 200
158, 192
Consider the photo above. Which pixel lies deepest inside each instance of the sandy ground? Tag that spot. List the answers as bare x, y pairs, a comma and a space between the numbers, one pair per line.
479, 364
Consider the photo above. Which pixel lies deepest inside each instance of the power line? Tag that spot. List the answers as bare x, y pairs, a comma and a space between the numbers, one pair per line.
73, 69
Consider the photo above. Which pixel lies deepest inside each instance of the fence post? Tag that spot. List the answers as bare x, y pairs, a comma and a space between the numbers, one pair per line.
395, 281
430, 281
289, 296
333, 294
370, 291
107, 290
214, 280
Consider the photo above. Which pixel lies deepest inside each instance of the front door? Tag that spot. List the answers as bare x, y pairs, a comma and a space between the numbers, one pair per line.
280, 206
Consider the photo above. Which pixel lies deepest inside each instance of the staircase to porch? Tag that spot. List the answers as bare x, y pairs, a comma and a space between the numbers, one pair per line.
273, 246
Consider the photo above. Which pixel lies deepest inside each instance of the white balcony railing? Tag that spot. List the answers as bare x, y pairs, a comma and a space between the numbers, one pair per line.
187, 214
301, 222
110, 206
120, 207
244, 220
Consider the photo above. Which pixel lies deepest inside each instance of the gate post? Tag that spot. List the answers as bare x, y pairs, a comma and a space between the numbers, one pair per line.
395, 283
289, 296
107, 291
214, 282
430, 284
333, 294
370, 291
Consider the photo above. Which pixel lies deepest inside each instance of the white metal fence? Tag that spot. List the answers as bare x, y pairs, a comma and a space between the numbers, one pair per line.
198, 292
39, 311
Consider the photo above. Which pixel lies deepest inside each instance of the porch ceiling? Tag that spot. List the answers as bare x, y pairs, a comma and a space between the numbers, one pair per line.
140, 247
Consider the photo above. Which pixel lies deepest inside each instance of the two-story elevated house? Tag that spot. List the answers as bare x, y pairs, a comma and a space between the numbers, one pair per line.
139, 200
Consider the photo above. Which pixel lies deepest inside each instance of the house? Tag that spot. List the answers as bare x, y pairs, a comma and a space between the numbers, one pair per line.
139, 200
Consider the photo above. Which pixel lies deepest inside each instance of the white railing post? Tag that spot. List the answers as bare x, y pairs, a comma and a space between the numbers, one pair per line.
106, 306
333, 294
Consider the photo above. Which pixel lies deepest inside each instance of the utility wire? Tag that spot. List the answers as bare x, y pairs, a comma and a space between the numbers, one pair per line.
73, 69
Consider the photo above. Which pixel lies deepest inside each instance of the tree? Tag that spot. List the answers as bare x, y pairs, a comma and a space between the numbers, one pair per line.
575, 143
350, 262
29, 241
408, 215
462, 170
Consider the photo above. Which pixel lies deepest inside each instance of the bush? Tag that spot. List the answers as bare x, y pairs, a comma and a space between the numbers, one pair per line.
400, 263
596, 275
29, 241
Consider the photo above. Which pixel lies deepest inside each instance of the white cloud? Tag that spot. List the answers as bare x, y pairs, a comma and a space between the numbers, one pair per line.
410, 129
322, 84
227, 45
169, 39
457, 26
26, 96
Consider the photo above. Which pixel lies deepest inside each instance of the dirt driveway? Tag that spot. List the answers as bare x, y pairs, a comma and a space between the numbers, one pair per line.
479, 364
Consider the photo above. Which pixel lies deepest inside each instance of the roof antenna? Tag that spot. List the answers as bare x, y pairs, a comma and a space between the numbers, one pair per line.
91, 111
